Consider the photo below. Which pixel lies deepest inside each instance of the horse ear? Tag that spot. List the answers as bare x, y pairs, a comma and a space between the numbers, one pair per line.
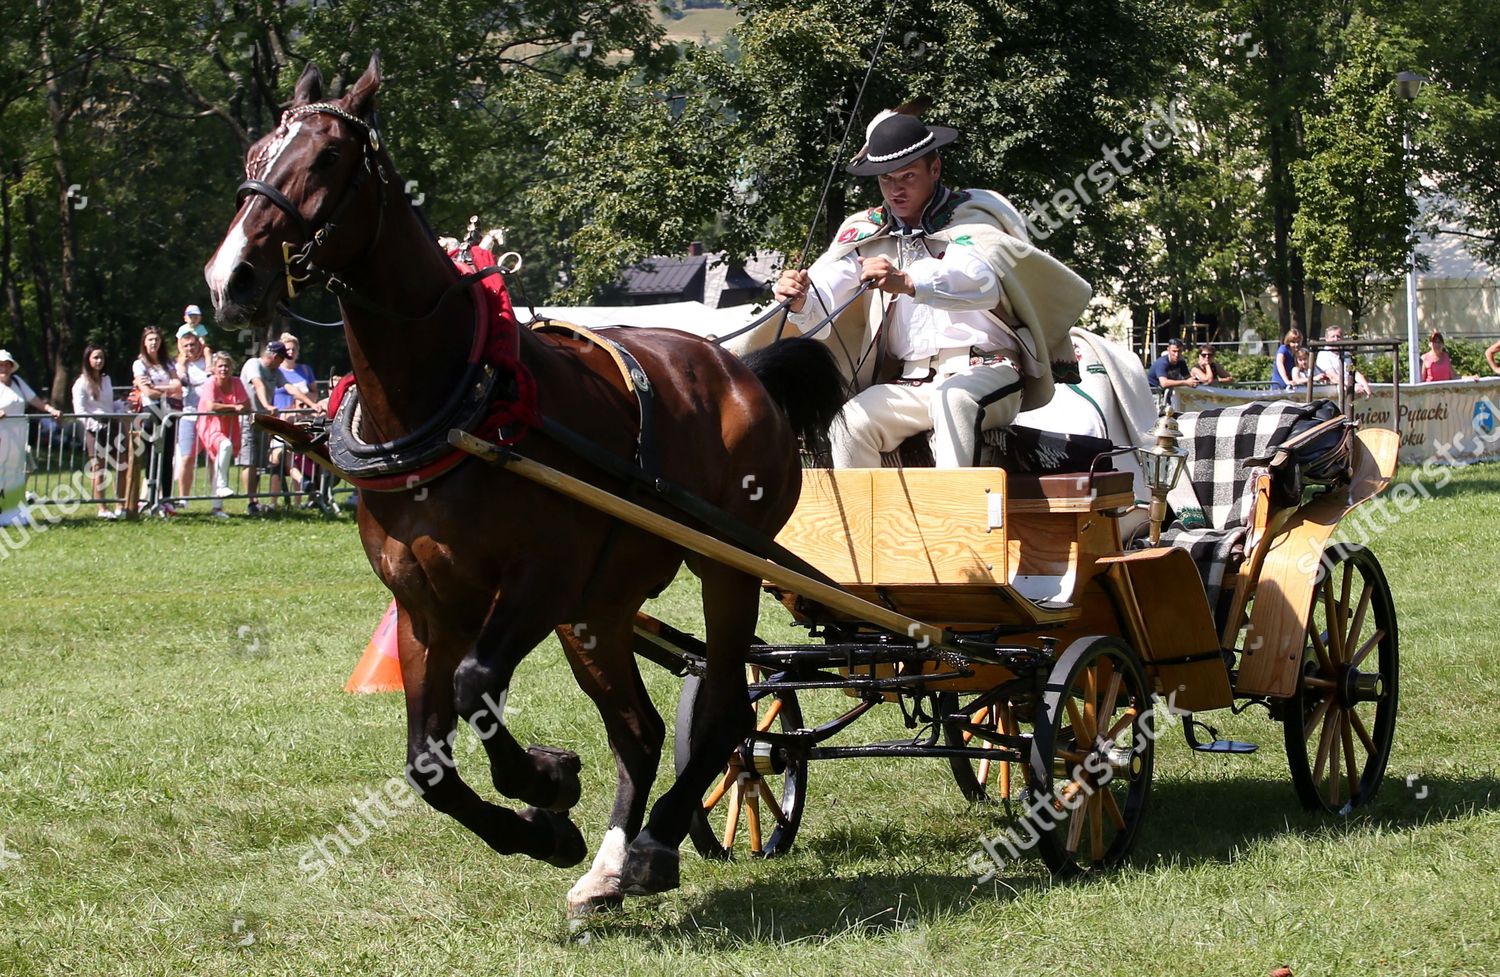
309, 86
361, 98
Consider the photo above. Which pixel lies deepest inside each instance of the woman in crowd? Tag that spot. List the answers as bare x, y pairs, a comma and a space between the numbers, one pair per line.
1435, 362
1286, 360
15, 396
221, 399
94, 402
156, 380
1207, 370
192, 370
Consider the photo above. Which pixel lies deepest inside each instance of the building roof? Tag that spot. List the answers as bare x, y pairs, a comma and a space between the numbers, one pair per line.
659, 275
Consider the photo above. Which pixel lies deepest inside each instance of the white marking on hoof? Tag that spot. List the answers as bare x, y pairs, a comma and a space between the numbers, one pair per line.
602, 881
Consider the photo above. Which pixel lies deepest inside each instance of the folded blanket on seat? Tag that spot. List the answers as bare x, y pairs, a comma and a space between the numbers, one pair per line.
1213, 501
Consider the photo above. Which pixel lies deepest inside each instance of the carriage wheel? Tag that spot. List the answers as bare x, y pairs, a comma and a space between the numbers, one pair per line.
1339, 722
981, 781
755, 805
1091, 758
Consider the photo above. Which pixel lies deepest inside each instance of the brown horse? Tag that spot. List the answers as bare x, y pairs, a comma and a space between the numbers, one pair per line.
484, 564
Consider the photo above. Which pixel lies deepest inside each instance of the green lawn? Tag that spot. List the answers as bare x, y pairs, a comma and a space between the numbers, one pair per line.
175, 733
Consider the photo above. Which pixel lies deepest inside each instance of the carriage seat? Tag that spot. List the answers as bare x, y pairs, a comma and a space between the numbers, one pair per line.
1243, 462
1017, 449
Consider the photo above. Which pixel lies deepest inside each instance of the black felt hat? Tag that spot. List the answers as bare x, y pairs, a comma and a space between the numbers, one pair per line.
894, 140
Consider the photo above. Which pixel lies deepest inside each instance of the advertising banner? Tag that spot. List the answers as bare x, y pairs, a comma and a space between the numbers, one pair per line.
1450, 423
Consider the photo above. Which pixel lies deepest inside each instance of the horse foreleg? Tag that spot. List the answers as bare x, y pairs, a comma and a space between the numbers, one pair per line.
722, 717
539, 775
604, 664
431, 720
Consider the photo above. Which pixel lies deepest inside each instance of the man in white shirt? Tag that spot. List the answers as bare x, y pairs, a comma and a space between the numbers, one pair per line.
970, 311
1330, 363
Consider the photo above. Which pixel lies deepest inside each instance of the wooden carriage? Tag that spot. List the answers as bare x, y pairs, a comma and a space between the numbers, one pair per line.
1048, 645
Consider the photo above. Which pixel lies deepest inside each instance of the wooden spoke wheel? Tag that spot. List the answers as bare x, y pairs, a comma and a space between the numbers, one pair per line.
1339, 722
984, 780
1091, 758
755, 805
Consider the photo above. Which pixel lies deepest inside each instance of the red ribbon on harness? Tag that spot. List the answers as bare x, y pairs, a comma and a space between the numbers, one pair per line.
497, 342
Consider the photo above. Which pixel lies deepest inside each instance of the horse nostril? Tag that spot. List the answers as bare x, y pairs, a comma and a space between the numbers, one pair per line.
241, 282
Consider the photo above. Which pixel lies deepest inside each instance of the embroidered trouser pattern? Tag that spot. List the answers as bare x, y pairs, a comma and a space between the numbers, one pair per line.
955, 408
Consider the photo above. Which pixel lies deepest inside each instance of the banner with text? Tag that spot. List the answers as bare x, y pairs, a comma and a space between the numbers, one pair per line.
1452, 422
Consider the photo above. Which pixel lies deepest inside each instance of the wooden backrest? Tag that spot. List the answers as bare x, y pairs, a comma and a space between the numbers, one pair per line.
893, 526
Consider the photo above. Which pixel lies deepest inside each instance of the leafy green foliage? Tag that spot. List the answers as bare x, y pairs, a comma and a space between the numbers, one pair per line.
1351, 227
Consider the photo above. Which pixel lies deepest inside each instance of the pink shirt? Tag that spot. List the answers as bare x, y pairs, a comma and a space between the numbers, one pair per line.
1436, 369
214, 427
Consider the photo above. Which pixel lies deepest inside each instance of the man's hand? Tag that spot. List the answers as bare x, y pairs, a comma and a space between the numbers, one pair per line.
792, 288
886, 276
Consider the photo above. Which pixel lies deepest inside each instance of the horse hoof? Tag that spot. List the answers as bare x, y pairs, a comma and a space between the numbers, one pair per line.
559, 769
583, 907
568, 847
650, 867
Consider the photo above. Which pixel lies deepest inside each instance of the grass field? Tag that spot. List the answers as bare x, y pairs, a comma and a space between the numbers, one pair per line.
175, 734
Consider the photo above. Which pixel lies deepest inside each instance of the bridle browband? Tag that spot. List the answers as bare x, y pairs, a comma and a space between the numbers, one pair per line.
298, 265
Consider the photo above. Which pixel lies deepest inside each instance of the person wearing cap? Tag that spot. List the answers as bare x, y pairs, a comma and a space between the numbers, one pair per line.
15, 396
965, 312
193, 359
261, 376
1171, 369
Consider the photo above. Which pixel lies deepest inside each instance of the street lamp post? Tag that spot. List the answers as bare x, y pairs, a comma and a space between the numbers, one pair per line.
1408, 83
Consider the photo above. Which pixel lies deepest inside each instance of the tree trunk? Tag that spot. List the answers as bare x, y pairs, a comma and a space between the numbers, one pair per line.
61, 346
7, 276
41, 279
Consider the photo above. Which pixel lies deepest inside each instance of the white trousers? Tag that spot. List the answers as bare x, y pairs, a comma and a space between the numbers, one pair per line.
956, 408
220, 468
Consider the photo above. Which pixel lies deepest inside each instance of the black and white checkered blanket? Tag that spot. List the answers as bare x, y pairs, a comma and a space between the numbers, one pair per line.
1227, 448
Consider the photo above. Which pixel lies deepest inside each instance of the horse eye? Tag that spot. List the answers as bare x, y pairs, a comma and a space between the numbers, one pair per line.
326, 159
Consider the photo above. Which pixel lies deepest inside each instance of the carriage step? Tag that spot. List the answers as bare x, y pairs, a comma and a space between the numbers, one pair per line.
1226, 746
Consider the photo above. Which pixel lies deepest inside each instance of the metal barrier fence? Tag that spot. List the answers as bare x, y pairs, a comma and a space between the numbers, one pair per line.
152, 463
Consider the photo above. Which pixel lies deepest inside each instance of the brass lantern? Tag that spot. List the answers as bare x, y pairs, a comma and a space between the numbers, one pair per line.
1162, 466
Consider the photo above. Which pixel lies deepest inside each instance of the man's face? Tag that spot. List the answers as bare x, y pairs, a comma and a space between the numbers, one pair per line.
907, 190
1174, 353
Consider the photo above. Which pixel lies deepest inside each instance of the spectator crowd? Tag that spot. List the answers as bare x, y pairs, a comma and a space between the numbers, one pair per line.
192, 400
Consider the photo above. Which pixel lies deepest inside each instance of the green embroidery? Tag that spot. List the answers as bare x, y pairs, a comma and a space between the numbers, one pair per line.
964, 239
1097, 368
944, 214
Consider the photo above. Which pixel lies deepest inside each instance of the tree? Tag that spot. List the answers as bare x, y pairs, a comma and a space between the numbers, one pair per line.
1353, 224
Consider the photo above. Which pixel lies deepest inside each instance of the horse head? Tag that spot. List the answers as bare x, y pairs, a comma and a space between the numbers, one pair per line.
312, 202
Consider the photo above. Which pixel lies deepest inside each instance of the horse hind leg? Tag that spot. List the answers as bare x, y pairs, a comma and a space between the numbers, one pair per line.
433, 774
722, 717
603, 661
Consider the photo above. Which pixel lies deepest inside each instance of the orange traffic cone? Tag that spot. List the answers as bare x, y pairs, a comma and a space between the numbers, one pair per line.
379, 668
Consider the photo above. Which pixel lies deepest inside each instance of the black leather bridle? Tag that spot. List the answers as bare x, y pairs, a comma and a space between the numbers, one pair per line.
299, 265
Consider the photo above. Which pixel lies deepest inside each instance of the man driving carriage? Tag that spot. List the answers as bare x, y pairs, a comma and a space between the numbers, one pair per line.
966, 312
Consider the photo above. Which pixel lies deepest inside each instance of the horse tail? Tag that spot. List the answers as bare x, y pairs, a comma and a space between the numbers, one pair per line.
802, 376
